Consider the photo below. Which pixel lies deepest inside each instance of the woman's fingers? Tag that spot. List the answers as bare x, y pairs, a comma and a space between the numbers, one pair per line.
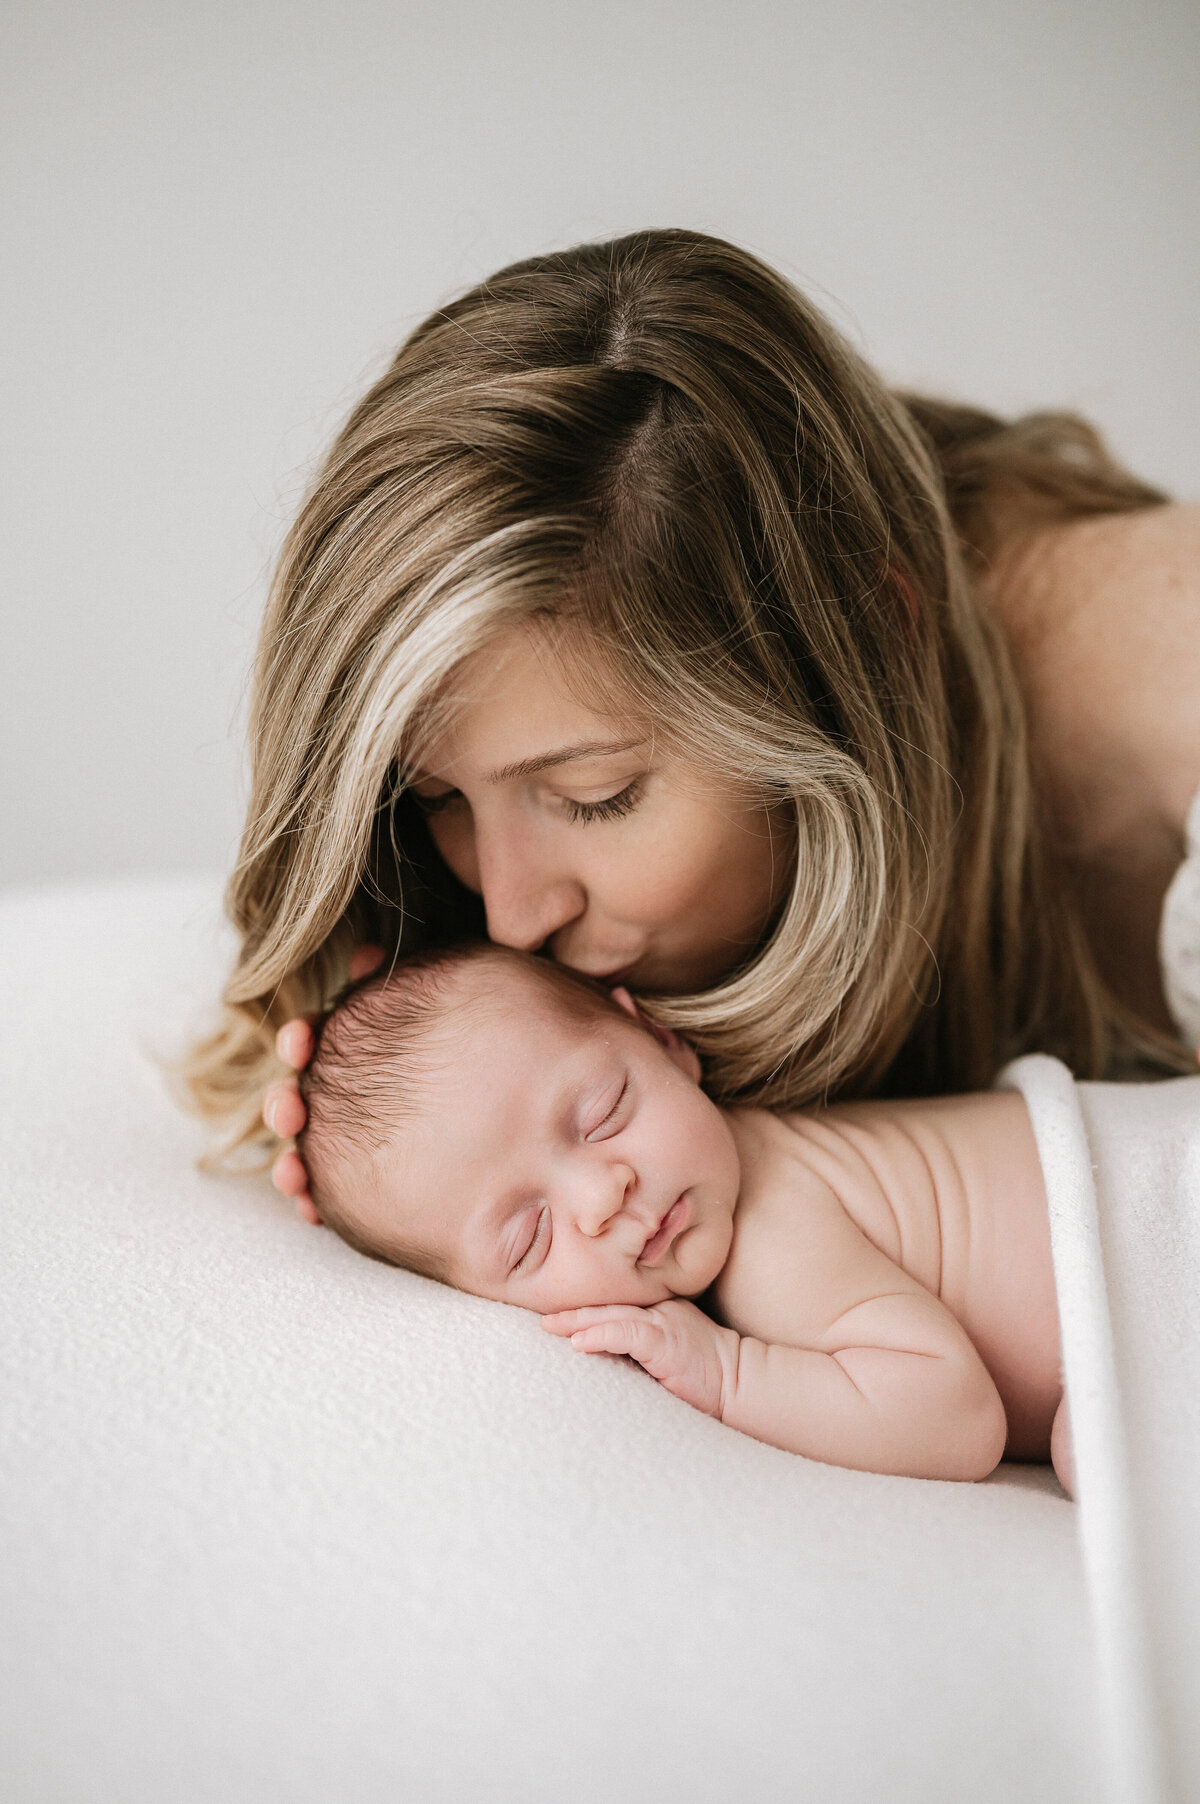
283, 1109
364, 960
288, 1174
295, 1041
285, 1114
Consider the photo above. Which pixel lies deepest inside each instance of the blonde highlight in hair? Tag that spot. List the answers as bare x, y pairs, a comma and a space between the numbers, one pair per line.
659, 444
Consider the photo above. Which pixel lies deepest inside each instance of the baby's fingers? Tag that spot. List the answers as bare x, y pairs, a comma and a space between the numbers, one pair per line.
638, 1340
566, 1321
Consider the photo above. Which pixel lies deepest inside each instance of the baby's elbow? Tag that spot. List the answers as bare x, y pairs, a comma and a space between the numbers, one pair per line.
981, 1432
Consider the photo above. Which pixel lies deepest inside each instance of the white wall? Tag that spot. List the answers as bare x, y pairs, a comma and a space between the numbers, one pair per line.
219, 218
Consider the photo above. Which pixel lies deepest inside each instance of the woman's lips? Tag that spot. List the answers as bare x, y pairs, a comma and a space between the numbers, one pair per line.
609, 974
673, 1222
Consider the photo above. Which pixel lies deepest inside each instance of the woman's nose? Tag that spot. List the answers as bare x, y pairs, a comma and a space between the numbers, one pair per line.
602, 1196
525, 898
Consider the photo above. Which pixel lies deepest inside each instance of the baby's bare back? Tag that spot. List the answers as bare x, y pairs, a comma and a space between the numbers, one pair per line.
949, 1191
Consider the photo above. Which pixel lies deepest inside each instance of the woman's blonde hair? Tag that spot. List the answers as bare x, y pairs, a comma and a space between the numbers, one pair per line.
661, 442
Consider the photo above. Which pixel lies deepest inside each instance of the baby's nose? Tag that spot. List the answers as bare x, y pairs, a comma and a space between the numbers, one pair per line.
605, 1199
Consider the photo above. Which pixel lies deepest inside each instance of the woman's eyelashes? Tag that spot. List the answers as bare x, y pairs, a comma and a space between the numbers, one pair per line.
611, 808
435, 804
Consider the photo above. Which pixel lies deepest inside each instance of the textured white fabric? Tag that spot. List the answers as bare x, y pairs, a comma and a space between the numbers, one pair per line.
1179, 935
1122, 1170
283, 1526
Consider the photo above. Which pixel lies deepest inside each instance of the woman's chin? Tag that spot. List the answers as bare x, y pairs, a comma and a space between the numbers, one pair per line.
668, 977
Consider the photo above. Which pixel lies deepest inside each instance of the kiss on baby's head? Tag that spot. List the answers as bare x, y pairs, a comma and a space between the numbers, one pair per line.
379, 1052
498, 1122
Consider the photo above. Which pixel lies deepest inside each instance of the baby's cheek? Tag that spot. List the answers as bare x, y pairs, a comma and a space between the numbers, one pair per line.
585, 1288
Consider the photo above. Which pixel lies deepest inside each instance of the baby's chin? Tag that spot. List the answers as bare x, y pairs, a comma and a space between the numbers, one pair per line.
641, 1296
645, 1292
703, 1262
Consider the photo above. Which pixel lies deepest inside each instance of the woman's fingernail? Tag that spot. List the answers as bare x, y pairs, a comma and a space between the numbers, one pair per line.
288, 1174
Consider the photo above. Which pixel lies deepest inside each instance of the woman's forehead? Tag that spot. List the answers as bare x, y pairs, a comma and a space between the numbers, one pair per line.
528, 692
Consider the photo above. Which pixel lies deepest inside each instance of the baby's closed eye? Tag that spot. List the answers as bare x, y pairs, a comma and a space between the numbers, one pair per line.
610, 1113
534, 1240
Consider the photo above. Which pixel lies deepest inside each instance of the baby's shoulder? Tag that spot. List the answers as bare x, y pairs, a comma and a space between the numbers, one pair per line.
819, 1169
794, 1240
782, 1177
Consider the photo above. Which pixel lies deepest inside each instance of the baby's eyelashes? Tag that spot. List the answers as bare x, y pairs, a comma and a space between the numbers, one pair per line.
611, 1112
537, 1244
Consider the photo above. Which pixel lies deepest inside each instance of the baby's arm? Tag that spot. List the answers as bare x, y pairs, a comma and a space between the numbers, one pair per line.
895, 1387
843, 1356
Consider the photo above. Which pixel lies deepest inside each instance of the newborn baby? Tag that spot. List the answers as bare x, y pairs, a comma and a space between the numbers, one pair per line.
873, 1281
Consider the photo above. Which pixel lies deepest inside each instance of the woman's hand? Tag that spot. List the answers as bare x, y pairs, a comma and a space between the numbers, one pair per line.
674, 1341
283, 1107
284, 1112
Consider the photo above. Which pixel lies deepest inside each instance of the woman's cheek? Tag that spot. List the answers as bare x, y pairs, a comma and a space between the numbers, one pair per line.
455, 843
652, 880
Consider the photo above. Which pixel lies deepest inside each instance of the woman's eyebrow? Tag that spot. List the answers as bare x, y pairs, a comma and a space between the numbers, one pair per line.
587, 748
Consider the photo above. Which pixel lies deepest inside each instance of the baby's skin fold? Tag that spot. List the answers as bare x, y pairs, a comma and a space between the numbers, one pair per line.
869, 1285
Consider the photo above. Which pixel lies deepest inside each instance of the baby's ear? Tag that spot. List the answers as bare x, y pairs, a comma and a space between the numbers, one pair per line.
678, 1050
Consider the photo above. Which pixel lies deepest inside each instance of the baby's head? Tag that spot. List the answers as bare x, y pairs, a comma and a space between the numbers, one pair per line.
497, 1122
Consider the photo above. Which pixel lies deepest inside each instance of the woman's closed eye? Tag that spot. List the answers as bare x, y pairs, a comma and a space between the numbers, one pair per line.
609, 808
579, 813
434, 804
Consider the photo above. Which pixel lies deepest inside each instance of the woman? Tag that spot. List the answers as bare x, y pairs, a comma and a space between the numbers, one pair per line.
632, 617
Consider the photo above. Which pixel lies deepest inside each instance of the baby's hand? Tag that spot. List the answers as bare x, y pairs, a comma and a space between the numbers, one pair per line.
676, 1343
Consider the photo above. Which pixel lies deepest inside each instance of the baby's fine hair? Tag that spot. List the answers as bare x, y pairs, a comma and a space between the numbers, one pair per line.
375, 1053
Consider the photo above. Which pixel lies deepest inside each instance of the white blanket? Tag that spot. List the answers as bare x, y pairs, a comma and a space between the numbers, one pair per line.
1122, 1168
282, 1526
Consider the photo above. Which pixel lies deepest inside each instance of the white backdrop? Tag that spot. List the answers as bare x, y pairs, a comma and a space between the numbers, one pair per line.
219, 218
